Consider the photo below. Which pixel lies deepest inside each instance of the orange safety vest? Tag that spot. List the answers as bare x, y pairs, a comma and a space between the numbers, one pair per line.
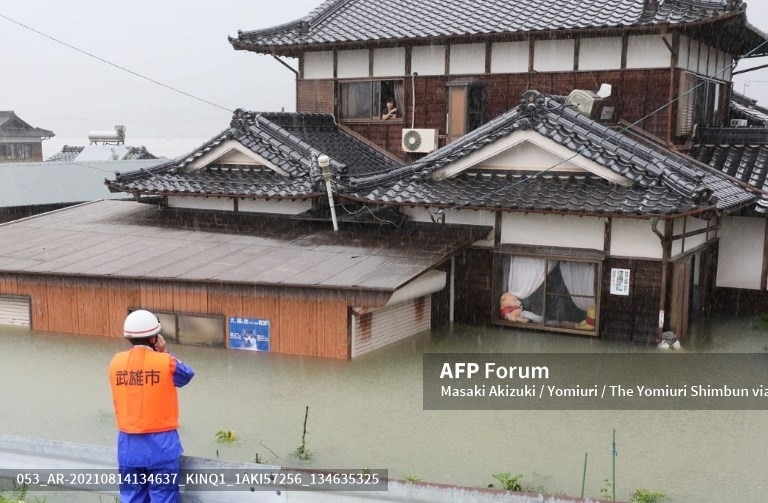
143, 392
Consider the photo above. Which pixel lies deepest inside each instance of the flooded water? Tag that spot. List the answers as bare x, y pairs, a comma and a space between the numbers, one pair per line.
367, 413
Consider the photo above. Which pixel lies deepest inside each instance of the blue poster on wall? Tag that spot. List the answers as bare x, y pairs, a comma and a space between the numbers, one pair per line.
249, 333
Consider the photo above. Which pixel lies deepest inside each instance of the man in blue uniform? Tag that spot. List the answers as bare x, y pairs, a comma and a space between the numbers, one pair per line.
144, 381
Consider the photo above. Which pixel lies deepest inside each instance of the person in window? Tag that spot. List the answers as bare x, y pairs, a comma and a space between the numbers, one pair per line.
391, 111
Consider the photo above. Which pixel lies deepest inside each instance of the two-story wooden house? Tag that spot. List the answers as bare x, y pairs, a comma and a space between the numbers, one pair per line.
452, 66
20, 142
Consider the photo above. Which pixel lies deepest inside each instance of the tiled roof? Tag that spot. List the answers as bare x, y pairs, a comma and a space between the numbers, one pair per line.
12, 126
568, 193
68, 153
746, 163
744, 107
350, 21
101, 153
662, 181
291, 142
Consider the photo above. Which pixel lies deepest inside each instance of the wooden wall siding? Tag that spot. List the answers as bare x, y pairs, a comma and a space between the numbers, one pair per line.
316, 96
474, 287
302, 323
739, 302
440, 301
634, 317
640, 92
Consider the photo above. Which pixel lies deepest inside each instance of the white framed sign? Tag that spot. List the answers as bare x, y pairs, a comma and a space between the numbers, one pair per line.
619, 281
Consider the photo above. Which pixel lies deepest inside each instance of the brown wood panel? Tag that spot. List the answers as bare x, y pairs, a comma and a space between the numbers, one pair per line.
633, 317
316, 96
474, 287
303, 321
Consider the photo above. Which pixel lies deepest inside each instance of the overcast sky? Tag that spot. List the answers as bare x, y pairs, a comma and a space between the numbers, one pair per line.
180, 43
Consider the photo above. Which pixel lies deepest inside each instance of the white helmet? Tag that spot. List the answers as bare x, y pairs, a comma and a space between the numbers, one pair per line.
140, 324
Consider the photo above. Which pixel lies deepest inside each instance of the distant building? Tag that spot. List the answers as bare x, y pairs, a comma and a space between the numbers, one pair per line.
101, 153
20, 142
103, 146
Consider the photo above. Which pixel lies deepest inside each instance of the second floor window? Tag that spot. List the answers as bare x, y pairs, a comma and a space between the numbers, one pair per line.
371, 100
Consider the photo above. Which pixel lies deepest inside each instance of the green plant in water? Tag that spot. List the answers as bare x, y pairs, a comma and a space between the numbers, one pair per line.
225, 436
605, 490
643, 495
508, 481
18, 495
761, 323
412, 478
301, 451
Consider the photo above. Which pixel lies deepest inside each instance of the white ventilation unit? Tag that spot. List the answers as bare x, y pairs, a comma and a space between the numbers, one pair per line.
419, 141
739, 123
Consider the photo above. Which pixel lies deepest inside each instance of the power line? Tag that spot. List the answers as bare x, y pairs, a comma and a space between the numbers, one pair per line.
149, 79
610, 137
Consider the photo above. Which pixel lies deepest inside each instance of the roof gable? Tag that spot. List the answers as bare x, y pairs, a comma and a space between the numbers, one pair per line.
12, 126
621, 173
232, 153
528, 152
262, 155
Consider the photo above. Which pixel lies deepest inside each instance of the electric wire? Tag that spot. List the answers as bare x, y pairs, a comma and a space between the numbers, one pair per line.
617, 132
115, 65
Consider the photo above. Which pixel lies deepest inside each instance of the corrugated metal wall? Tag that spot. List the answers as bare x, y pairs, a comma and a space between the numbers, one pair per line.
14, 311
379, 328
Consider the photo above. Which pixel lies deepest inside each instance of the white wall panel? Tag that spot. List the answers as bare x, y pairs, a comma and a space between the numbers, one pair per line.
553, 55
203, 203
600, 53
683, 52
510, 57
467, 59
740, 257
457, 216
389, 62
647, 51
553, 230
703, 59
352, 64
634, 238
693, 55
318, 65
282, 207
428, 60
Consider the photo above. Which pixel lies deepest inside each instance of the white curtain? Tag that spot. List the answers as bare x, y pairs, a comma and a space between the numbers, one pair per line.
579, 279
399, 99
526, 274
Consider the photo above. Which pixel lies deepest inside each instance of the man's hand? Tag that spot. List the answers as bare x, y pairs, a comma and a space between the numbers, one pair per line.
160, 344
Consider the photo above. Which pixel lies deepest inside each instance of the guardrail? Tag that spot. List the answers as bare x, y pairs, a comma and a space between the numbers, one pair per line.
79, 466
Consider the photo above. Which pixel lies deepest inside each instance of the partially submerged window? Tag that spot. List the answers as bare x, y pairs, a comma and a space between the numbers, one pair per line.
367, 100
548, 293
194, 330
466, 107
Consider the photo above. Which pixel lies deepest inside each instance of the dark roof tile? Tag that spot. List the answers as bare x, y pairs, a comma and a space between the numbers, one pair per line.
350, 21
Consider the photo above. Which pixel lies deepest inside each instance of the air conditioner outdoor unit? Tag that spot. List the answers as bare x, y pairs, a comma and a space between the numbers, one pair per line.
739, 123
419, 140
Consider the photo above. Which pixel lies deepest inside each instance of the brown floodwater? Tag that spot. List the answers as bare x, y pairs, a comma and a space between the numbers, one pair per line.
368, 413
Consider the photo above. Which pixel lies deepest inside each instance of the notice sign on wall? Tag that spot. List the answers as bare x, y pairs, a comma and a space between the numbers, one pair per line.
249, 333
619, 281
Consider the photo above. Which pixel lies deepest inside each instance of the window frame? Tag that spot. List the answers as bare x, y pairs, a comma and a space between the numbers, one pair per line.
372, 118
595, 257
